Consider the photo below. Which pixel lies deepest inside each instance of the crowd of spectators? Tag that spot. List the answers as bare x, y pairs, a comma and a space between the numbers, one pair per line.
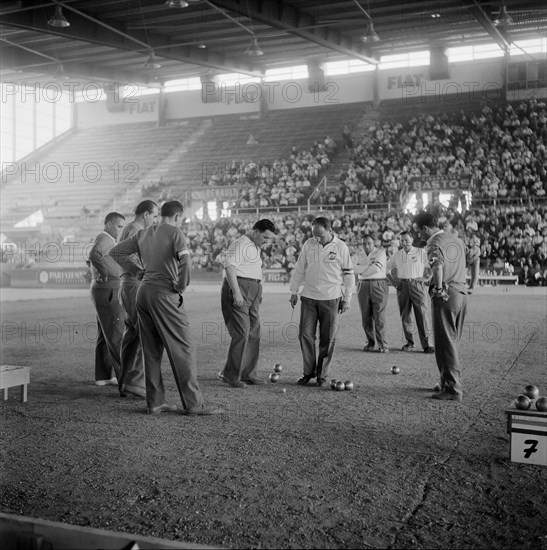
512, 239
500, 151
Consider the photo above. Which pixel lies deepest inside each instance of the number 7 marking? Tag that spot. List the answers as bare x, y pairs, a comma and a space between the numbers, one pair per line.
532, 449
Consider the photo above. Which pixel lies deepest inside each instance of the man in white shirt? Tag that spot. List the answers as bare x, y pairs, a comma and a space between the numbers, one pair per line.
406, 269
325, 270
241, 295
372, 293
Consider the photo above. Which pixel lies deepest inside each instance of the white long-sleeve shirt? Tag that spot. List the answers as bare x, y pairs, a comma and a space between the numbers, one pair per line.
372, 266
325, 271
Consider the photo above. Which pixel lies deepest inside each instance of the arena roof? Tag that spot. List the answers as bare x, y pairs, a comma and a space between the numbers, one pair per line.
111, 40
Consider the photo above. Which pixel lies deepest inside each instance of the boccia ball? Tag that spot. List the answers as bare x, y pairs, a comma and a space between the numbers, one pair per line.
333, 383
278, 367
274, 377
348, 385
395, 369
531, 391
541, 404
340, 386
522, 402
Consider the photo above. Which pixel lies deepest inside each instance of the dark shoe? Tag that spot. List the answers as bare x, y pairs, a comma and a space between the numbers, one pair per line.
369, 347
437, 387
321, 381
132, 390
429, 350
162, 408
383, 350
305, 379
254, 382
407, 347
446, 396
235, 383
203, 411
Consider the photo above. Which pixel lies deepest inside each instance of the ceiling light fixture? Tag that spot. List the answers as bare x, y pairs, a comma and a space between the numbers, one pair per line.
503, 19
254, 49
58, 19
152, 62
370, 34
176, 4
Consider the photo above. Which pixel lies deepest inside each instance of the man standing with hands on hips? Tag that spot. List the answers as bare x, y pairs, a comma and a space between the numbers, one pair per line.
240, 298
407, 269
448, 290
325, 269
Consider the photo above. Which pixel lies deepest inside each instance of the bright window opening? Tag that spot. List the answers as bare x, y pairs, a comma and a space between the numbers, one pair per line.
401, 60
287, 73
471, 53
349, 66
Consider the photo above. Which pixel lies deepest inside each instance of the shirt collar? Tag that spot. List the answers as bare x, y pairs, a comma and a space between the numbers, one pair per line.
436, 233
109, 235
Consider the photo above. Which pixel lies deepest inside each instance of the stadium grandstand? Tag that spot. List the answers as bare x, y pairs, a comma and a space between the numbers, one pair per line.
292, 109
366, 112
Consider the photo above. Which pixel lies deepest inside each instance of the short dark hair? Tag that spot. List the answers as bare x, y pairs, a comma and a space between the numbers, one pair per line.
111, 216
367, 236
171, 208
424, 219
323, 222
264, 225
145, 206
403, 233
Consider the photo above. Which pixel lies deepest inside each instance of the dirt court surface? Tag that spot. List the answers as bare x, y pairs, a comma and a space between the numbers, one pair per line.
383, 466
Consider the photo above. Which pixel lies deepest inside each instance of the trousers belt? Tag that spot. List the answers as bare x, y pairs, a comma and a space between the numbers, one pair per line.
413, 279
373, 279
249, 279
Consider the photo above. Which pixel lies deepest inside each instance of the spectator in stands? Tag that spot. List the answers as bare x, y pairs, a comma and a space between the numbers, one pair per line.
104, 295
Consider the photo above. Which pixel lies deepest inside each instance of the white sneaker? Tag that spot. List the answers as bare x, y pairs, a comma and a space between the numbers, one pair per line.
111, 382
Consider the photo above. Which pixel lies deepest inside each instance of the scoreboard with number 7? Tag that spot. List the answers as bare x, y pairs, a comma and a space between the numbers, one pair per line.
528, 430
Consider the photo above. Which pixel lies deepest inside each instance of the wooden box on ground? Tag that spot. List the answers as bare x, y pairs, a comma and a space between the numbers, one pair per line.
11, 376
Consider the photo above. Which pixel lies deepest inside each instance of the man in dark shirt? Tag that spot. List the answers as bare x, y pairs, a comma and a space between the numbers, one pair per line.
447, 259
163, 323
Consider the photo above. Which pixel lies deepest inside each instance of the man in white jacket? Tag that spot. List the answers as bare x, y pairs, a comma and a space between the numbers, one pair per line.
325, 270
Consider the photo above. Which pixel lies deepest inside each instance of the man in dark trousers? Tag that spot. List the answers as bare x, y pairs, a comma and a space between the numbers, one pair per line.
372, 293
132, 371
325, 270
240, 299
105, 282
448, 290
408, 270
163, 323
